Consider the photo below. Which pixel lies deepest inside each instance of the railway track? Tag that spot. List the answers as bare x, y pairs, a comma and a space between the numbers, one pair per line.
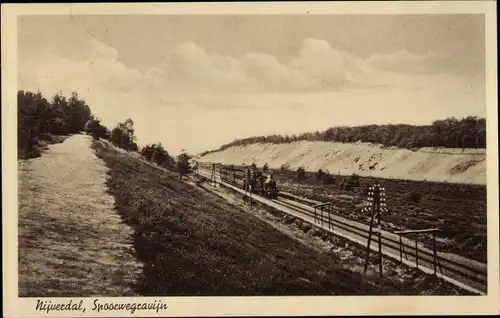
462, 272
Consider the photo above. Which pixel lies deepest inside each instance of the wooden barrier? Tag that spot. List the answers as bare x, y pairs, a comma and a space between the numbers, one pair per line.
415, 234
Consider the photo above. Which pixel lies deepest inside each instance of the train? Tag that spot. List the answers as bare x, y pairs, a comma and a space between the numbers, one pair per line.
250, 179
256, 182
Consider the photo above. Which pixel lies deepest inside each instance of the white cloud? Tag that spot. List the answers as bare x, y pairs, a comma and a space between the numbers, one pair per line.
190, 68
101, 70
325, 66
317, 66
216, 98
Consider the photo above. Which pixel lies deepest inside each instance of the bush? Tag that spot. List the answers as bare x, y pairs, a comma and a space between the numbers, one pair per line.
301, 174
265, 168
320, 175
157, 154
183, 165
94, 128
123, 135
46, 137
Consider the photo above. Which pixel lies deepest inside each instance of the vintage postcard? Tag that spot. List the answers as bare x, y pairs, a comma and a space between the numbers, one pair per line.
243, 159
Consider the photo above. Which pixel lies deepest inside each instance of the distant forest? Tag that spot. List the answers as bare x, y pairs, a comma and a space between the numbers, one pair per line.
469, 132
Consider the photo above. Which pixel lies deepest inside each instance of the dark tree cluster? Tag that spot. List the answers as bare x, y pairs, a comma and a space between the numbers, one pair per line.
183, 165
94, 128
123, 136
469, 132
40, 119
157, 154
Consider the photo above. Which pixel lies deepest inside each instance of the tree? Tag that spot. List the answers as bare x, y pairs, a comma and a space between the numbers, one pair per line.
265, 168
123, 135
320, 175
157, 154
38, 118
183, 165
469, 132
160, 155
133, 146
94, 128
301, 173
77, 113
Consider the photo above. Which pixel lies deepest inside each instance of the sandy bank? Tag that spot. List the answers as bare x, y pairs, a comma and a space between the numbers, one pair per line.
431, 164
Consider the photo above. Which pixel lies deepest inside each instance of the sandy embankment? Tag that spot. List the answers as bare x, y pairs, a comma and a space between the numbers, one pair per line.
71, 240
431, 164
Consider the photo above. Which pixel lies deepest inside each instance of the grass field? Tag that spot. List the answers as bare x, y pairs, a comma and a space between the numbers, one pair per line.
458, 210
192, 242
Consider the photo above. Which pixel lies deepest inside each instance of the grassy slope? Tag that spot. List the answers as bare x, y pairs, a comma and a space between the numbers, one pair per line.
194, 243
458, 210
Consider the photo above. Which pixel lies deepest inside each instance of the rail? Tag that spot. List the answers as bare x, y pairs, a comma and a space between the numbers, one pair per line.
462, 272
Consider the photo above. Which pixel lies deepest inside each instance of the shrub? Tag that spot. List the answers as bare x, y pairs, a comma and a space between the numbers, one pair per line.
94, 128
320, 175
183, 165
301, 173
265, 168
46, 137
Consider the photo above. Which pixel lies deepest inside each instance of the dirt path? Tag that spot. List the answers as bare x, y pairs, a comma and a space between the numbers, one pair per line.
71, 240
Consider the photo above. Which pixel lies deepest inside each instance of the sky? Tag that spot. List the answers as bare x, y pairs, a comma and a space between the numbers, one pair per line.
196, 82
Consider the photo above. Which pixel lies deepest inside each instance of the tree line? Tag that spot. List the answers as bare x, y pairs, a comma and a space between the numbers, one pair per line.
39, 119
468, 132
42, 121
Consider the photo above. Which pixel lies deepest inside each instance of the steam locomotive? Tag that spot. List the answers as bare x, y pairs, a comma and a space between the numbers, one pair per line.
256, 182
251, 180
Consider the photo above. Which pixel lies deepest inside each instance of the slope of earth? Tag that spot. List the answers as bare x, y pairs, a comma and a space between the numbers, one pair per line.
195, 243
71, 240
364, 159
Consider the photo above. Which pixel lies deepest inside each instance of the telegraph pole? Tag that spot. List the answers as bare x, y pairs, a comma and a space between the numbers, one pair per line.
376, 205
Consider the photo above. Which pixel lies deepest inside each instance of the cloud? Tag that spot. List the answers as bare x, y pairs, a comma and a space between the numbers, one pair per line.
320, 85
404, 62
316, 67
100, 69
190, 68
325, 67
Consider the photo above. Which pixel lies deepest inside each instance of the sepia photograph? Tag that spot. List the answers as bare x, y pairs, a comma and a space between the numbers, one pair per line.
164, 155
